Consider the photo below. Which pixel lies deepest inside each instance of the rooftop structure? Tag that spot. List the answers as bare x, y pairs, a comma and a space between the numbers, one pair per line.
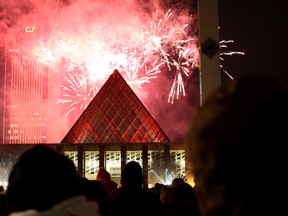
115, 115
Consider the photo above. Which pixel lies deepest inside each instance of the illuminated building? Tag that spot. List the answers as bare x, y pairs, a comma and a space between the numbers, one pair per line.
25, 91
26, 85
116, 128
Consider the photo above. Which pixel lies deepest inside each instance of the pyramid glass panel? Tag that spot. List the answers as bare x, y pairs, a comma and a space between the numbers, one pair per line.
115, 115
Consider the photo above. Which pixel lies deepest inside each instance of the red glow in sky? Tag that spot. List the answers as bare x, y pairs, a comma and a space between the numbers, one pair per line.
152, 44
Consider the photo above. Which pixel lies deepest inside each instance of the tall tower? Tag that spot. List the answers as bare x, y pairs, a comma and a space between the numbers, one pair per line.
208, 26
25, 90
210, 73
26, 83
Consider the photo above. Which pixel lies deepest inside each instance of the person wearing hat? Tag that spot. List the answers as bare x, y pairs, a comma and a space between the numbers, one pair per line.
105, 178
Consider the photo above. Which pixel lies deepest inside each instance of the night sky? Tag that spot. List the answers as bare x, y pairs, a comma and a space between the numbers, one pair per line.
260, 29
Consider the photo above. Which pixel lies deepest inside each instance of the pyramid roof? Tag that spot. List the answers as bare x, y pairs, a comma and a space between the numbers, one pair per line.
115, 115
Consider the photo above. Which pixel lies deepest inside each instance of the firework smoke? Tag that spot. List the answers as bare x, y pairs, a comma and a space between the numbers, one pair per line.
80, 42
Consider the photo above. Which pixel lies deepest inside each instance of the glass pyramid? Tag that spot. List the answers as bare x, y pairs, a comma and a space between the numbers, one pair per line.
115, 115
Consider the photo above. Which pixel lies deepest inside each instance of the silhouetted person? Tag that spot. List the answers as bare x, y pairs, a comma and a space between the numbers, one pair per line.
182, 200
45, 182
157, 189
165, 197
131, 198
165, 194
3, 203
105, 178
237, 148
177, 180
95, 191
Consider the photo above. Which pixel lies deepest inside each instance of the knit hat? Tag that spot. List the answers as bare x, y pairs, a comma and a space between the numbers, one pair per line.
103, 174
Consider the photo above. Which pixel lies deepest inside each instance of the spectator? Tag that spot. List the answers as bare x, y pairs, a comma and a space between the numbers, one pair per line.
105, 178
236, 145
157, 189
182, 201
177, 180
45, 182
3, 203
95, 191
131, 198
165, 196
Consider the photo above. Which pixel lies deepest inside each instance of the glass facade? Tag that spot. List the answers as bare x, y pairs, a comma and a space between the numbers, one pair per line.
115, 115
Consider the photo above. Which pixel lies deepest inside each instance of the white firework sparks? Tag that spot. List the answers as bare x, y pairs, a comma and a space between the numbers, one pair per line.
223, 52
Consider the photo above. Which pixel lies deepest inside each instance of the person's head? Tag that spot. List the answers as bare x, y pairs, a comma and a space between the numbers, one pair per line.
236, 147
132, 175
182, 192
182, 200
177, 180
41, 178
165, 193
2, 189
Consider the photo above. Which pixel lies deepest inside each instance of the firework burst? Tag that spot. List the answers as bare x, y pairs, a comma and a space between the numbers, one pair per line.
170, 48
223, 44
78, 92
133, 67
163, 43
164, 47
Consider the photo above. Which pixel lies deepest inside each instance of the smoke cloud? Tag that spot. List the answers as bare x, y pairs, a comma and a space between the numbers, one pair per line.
90, 38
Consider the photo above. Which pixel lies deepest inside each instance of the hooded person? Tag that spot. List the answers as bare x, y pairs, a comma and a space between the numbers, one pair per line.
45, 182
105, 178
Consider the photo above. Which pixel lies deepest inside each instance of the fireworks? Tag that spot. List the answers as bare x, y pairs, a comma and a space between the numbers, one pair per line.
223, 52
131, 69
171, 46
73, 47
166, 179
78, 92
164, 46
6, 163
